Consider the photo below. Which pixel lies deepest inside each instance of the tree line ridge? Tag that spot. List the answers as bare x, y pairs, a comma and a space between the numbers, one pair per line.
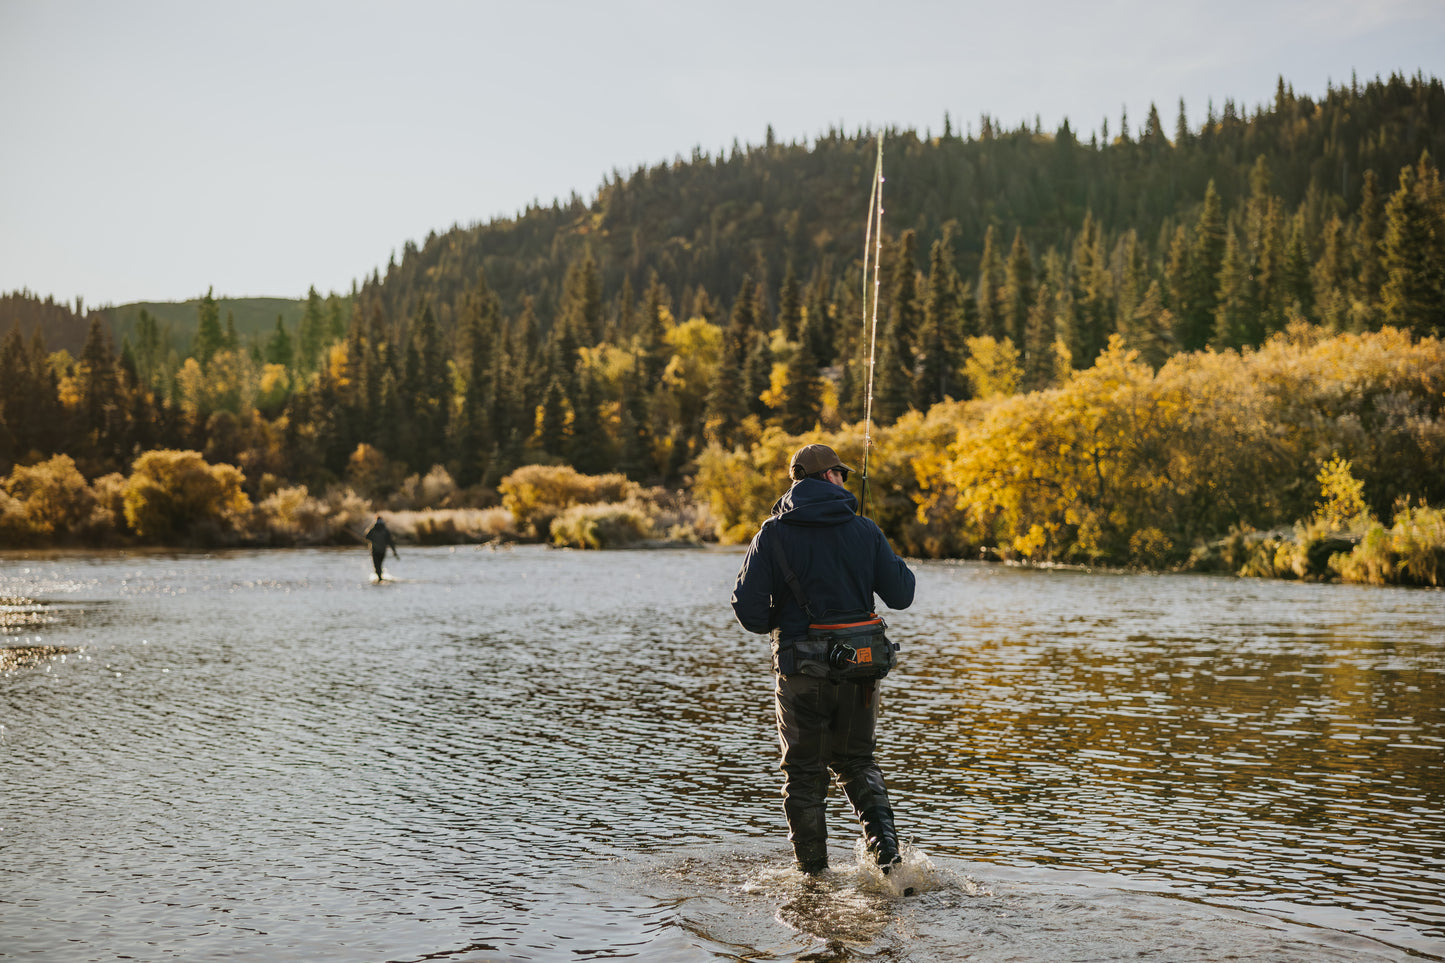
694, 306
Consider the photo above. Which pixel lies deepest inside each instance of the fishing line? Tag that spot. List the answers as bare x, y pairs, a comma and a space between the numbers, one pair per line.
872, 239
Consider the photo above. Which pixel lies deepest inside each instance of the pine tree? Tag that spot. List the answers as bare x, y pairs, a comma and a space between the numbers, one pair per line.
209, 337
1176, 270
821, 326
1236, 318
651, 348
1206, 259
552, 435
1150, 328
991, 317
587, 447
1038, 341
894, 377
1369, 233
1018, 296
1295, 291
473, 437
426, 392
313, 332
1132, 276
278, 347
1093, 295
1331, 277
1413, 249
941, 338
581, 310
758, 376
803, 393
98, 387
727, 403
790, 308
1265, 249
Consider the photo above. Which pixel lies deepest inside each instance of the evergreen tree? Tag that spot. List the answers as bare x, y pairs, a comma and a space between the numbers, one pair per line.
1093, 295
1019, 293
1150, 329
1176, 270
896, 372
803, 393
727, 403
1295, 291
581, 311
992, 320
1236, 319
231, 340
472, 432
1331, 278
1132, 276
790, 305
758, 376
1369, 233
1265, 249
1199, 307
1038, 341
426, 393
552, 435
209, 337
98, 391
278, 346
821, 325
313, 331
651, 346
587, 447
1413, 249
941, 339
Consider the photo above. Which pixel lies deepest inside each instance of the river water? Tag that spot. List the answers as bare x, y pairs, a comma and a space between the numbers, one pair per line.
526, 754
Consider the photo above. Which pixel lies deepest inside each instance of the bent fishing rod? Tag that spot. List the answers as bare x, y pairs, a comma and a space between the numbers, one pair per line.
872, 253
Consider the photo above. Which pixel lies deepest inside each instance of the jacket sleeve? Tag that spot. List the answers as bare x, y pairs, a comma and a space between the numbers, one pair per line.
892, 578
753, 591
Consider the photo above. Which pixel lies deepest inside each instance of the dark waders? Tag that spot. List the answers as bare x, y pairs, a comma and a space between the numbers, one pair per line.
827, 729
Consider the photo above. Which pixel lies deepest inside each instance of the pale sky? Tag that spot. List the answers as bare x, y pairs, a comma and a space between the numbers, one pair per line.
151, 150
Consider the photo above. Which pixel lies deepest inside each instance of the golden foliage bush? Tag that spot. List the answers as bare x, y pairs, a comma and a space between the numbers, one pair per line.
536, 494
1410, 552
452, 526
53, 500
1125, 465
173, 496
597, 526
290, 516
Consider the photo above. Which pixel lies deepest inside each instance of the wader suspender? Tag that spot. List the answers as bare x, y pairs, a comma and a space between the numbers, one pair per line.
792, 579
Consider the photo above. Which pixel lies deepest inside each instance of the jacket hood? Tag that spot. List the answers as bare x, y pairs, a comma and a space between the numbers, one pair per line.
816, 503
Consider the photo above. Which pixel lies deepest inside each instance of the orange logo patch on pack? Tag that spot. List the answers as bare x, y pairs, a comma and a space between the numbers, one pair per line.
863, 655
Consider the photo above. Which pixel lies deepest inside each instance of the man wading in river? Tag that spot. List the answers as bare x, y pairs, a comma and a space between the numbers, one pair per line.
380, 538
808, 579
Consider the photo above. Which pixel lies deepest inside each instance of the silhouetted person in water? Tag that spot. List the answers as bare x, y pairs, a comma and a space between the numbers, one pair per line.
380, 538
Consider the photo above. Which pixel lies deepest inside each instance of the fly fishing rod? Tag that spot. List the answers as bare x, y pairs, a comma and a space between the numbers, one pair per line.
872, 253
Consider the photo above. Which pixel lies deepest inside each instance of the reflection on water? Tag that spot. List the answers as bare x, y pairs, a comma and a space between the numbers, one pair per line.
531, 754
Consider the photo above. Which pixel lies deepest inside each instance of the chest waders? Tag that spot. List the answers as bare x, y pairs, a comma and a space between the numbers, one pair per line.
827, 721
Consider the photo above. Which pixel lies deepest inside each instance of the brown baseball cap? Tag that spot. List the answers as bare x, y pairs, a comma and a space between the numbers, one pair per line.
812, 459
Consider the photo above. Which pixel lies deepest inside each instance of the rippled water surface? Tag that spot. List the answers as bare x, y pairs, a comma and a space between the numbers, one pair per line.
537, 755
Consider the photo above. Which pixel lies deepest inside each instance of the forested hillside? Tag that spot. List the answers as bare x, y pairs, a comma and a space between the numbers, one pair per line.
700, 302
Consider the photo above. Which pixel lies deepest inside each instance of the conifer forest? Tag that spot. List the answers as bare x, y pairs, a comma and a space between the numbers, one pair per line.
1208, 340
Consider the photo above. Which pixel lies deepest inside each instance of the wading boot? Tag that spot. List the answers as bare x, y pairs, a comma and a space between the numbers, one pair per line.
812, 856
882, 840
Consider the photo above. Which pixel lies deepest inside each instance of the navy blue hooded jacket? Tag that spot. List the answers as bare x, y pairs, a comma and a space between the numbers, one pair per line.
841, 559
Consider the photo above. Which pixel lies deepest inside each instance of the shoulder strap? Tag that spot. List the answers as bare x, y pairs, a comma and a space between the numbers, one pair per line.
781, 561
